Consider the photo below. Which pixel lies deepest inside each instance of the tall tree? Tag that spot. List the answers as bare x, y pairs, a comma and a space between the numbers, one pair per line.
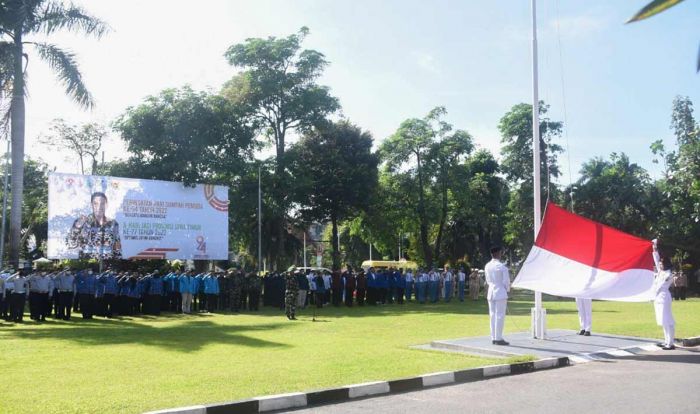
278, 88
679, 191
19, 21
335, 169
516, 136
85, 141
480, 204
615, 192
422, 152
188, 136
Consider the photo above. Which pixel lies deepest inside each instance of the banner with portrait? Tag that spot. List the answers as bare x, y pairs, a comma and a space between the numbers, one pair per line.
124, 218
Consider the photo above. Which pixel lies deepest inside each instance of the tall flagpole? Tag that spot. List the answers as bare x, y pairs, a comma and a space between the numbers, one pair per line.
538, 318
259, 220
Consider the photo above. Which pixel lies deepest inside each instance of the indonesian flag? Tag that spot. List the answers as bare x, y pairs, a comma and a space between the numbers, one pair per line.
580, 258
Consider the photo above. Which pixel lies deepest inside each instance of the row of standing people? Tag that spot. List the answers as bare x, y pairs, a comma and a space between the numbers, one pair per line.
375, 287
123, 293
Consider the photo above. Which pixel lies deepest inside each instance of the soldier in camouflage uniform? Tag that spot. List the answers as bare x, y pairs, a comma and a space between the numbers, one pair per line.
254, 286
290, 295
244, 291
236, 291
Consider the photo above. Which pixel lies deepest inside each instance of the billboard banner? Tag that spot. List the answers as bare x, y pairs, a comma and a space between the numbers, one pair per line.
124, 218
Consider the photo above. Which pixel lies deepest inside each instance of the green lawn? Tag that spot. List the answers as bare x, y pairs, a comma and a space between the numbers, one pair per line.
145, 363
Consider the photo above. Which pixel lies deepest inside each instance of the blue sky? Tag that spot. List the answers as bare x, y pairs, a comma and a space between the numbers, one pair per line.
393, 60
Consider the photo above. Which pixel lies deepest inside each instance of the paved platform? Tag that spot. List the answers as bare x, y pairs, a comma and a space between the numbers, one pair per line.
559, 343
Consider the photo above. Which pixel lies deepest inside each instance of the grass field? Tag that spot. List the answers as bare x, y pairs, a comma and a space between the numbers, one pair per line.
144, 363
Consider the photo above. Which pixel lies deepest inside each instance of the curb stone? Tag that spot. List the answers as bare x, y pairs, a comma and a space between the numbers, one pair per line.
369, 389
695, 341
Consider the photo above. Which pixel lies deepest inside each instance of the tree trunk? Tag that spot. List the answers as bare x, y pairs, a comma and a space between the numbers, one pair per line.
17, 116
443, 219
279, 172
425, 246
334, 243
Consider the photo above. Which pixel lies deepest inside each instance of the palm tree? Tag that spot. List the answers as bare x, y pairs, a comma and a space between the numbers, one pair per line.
19, 20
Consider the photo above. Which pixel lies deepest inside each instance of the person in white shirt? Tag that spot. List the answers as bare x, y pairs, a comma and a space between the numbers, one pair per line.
5, 291
663, 298
19, 295
447, 279
327, 285
461, 283
585, 315
40, 290
409, 285
498, 280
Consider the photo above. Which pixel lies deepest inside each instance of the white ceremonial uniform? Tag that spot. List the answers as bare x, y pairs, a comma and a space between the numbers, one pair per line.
663, 300
585, 313
498, 281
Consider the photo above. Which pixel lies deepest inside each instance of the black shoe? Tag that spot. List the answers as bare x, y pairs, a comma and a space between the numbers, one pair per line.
501, 342
581, 332
493, 342
587, 333
660, 344
668, 348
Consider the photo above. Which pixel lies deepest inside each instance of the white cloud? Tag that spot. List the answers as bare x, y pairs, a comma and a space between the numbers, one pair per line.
426, 61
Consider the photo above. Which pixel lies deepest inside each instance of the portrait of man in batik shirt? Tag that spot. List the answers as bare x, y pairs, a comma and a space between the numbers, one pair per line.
96, 235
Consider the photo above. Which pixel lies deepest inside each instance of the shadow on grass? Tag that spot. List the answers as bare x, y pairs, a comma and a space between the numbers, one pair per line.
189, 336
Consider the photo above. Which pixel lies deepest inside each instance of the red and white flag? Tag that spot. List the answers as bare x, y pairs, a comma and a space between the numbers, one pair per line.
580, 258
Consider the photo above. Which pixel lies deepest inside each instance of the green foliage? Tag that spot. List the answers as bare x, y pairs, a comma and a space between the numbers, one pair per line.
419, 159
334, 170
653, 8
19, 21
516, 137
679, 190
35, 206
277, 86
277, 89
617, 193
187, 136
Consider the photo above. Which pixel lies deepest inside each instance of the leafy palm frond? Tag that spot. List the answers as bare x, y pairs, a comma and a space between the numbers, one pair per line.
6, 58
57, 16
64, 64
655, 7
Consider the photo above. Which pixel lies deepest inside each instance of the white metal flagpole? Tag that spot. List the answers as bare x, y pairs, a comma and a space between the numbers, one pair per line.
538, 314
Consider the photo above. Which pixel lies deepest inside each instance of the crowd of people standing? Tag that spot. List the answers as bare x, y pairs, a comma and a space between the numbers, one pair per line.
376, 287
59, 294
110, 293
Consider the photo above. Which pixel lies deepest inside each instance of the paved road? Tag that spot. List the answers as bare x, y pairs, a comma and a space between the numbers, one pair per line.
655, 382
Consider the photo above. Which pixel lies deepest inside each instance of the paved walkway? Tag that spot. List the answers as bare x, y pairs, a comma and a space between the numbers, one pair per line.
559, 343
653, 382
